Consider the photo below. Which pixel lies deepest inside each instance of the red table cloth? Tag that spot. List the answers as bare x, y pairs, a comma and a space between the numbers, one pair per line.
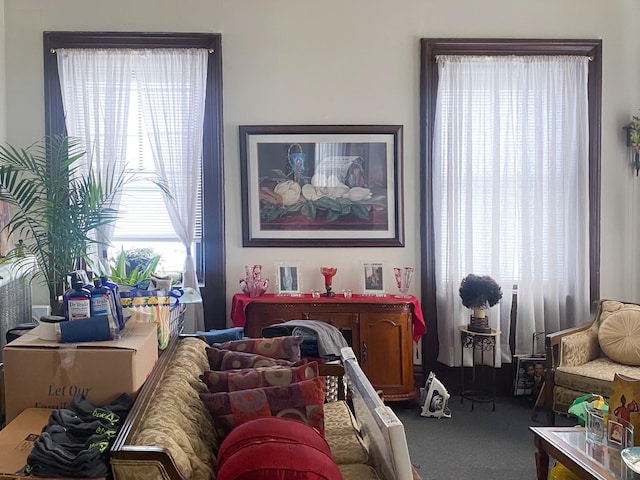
241, 301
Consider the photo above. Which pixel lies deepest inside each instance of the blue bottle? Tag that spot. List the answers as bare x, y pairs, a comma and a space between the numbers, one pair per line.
115, 295
77, 302
102, 302
81, 276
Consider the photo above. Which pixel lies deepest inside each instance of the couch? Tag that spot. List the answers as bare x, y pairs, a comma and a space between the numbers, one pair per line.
169, 433
584, 360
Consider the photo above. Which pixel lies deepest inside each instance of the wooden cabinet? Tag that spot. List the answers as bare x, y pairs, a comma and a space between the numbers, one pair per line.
380, 334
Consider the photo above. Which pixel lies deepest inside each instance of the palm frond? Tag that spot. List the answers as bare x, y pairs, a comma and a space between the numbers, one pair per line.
58, 202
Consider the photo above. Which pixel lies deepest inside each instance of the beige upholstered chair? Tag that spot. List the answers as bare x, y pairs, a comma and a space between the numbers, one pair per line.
585, 359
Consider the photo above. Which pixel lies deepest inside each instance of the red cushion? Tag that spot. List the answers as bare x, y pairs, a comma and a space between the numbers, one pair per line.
234, 380
286, 348
279, 461
271, 429
220, 359
302, 401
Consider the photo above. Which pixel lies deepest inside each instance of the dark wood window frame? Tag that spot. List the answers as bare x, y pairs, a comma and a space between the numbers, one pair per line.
430, 48
213, 245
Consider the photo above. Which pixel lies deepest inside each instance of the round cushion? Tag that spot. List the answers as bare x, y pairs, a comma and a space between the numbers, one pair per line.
619, 336
271, 429
279, 461
275, 448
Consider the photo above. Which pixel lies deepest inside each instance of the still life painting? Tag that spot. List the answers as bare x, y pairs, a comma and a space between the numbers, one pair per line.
321, 185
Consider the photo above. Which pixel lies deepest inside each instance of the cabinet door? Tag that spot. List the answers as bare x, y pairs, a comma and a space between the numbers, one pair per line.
386, 352
347, 323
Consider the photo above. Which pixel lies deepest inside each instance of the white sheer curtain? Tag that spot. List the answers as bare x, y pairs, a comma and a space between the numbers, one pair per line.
172, 86
510, 193
95, 86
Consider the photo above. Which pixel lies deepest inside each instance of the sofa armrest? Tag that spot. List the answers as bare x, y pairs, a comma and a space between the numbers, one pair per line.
133, 461
574, 346
579, 348
145, 462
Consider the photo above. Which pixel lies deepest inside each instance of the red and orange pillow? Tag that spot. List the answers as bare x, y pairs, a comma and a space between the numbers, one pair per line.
302, 401
283, 348
220, 359
234, 380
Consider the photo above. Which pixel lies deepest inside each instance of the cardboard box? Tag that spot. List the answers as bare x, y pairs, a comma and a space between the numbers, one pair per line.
16, 442
44, 374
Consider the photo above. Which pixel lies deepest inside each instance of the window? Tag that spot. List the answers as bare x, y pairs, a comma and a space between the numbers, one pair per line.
484, 170
210, 251
143, 220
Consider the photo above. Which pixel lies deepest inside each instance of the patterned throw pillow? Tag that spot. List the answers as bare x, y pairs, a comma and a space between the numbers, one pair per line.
302, 401
229, 360
285, 348
234, 380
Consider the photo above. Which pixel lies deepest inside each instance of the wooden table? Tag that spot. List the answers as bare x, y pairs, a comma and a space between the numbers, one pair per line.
587, 460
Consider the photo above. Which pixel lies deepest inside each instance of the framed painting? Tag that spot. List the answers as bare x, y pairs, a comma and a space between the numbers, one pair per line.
288, 279
322, 185
372, 278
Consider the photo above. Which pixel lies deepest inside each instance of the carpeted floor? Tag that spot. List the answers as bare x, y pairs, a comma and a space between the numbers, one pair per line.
479, 445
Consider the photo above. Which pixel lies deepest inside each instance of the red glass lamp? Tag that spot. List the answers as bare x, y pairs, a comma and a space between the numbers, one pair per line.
328, 273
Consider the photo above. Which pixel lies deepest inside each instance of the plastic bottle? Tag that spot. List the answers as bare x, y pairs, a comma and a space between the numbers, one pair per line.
81, 276
101, 302
77, 302
116, 299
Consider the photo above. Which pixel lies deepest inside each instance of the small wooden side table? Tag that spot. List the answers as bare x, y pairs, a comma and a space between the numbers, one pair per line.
482, 342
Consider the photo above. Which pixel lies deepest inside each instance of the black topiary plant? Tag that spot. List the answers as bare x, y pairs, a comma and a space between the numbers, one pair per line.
479, 292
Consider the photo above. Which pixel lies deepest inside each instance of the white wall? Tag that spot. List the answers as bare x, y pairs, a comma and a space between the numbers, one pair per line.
355, 62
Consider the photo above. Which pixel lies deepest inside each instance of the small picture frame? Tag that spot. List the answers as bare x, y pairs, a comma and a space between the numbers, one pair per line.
595, 425
373, 278
528, 375
615, 432
288, 276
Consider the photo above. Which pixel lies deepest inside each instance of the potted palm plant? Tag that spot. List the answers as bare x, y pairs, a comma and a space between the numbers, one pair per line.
479, 292
57, 205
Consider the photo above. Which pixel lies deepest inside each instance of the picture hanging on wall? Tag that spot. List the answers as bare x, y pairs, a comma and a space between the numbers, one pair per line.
321, 185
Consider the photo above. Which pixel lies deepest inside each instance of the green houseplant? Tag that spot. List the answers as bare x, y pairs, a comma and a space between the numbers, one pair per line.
479, 292
57, 204
130, 267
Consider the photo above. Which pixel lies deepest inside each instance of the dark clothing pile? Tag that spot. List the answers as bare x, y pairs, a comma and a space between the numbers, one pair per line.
77, 440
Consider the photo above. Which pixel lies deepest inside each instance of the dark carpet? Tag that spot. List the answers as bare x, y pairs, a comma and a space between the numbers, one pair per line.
483, 444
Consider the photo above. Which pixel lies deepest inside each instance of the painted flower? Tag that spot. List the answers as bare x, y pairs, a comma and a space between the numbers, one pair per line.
289, 191
357, 194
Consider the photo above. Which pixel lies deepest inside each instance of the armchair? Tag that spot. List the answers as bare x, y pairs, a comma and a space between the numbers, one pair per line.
584, 359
